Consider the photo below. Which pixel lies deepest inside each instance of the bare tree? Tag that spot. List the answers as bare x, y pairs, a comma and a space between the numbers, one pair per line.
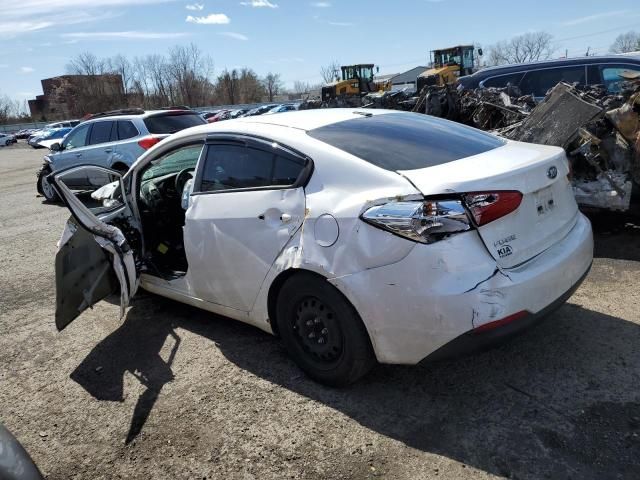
227, 87
120, 65
330, 72
300, 88
86, 63
10, 110
626, 42
272, 84
189, 70
251, 88
529, 47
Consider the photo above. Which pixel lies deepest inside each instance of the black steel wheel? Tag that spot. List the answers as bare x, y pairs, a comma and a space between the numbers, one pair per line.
322, 331
318, 331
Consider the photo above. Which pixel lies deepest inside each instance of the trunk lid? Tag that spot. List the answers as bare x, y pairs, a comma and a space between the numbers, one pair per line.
548, 209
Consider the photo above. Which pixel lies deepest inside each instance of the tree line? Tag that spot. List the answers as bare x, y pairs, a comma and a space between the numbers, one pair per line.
184, 76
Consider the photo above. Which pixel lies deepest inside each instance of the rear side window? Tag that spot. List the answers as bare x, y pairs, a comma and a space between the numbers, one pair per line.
612, 79
406, 141
171, 122
538, 82
126, 129
503, 80
230, 167
100, 133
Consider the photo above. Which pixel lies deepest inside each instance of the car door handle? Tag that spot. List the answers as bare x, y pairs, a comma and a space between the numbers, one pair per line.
107, 150
284, 217
78, 155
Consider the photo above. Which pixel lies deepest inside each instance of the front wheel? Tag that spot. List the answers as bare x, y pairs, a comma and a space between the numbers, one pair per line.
322, 331
44, 187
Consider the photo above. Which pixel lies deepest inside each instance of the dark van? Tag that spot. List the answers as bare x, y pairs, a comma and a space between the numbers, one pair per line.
538, 77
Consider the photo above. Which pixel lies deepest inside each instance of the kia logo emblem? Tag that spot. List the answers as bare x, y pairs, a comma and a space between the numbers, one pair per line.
552, 172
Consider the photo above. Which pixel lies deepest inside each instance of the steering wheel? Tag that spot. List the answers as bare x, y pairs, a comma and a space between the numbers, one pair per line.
182, 178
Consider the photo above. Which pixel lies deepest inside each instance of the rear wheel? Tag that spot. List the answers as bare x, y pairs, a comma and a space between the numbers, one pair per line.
44, 187
322, 331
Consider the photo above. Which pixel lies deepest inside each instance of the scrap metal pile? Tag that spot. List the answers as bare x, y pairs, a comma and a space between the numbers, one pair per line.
600, 131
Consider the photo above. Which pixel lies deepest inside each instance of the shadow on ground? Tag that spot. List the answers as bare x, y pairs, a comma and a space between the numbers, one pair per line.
557, 402
616, 235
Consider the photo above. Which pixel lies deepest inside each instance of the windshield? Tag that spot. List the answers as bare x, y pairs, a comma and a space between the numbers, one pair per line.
173, 162
406, 141
447, 57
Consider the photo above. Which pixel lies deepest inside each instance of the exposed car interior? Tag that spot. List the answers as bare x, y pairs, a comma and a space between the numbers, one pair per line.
162, 215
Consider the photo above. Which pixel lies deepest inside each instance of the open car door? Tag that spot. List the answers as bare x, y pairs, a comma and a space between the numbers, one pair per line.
94, 259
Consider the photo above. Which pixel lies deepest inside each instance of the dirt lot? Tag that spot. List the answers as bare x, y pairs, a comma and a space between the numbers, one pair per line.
174, 392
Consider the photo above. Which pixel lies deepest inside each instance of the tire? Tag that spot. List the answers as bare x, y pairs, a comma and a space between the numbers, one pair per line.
44, 187
120, 167
322, 331
6, 144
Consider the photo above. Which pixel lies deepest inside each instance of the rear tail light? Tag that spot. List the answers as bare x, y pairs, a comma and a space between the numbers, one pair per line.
424, 221
148, 142
489, 206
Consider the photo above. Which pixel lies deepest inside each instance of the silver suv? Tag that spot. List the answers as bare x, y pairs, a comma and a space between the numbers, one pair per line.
113, 140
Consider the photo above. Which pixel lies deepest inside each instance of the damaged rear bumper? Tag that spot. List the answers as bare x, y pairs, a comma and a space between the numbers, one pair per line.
414, 307
479, 340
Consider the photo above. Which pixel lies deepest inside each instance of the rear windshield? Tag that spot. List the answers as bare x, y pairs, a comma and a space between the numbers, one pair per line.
406, 141
172, 122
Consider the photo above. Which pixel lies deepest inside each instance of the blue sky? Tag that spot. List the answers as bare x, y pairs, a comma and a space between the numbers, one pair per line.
293, 38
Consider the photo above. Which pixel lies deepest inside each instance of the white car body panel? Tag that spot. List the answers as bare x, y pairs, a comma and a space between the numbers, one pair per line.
411, 317
548, 204
234, 238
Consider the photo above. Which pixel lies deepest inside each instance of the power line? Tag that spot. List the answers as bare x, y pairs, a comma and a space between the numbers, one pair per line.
598, 33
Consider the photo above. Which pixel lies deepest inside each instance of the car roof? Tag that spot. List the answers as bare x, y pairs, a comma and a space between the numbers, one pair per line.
144, 114
516, 67
300, 119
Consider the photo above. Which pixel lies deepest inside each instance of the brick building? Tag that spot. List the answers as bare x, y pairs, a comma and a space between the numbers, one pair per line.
72, 96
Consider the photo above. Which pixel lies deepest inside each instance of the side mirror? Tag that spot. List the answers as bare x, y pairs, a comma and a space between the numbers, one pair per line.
480, 52
56, 147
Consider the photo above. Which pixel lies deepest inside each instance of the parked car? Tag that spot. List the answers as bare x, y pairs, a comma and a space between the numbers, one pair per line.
7, 139
221, 115
209, 114
57, 137
48, 137
355, 235
63, 124
288, 107
114, 140
24, 133
538, 77
239, 112
259, 110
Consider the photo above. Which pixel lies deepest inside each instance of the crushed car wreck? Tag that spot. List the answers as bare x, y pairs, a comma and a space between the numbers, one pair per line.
375, 235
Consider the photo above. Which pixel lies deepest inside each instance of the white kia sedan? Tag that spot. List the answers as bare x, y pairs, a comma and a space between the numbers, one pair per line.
355, 235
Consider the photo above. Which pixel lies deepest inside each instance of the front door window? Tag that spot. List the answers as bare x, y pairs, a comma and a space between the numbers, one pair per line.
77, 138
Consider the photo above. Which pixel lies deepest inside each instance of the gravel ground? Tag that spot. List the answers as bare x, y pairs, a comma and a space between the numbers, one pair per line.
174, 392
